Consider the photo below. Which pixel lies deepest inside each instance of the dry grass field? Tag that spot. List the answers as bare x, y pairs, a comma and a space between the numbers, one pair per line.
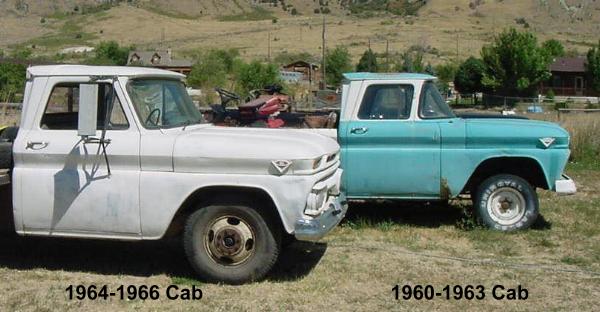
446, 26
354, 268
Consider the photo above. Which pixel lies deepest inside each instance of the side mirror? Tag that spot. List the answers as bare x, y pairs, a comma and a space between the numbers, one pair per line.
88, 110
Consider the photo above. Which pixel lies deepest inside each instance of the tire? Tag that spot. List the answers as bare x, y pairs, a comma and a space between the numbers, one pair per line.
506, 203
214, 239
6, 157
9, 134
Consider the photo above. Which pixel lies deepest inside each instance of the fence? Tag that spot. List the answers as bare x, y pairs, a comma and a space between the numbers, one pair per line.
531, 104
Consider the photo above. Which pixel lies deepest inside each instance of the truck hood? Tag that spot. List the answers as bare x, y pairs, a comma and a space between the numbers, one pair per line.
517, 133
230, 150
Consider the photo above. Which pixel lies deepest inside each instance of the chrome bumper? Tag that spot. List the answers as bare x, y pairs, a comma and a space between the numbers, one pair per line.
565, 186
314, 228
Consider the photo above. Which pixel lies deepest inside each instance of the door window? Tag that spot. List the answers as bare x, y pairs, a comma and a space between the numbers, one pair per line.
61, 112
387, 102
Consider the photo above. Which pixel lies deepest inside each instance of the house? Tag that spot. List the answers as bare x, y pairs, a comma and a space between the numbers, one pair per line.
162, 59
291, 77
568, 78
310, 71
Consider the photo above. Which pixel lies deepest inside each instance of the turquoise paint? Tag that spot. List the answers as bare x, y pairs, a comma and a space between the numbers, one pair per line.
410, 159
394, 158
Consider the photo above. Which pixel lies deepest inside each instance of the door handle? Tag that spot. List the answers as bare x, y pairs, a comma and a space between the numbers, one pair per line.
36, 145
361, 130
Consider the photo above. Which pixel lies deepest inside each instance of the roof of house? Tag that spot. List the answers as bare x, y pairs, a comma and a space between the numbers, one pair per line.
568, 64
387, 76
165, 59
86, 70
302, 63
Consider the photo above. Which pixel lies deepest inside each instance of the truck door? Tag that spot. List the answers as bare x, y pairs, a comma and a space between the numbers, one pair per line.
387, 153
65, 184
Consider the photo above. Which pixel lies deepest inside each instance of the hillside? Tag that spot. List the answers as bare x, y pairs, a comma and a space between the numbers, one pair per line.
446, 28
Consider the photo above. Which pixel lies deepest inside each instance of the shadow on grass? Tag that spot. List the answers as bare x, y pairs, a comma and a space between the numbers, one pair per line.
142, 259
297, 260
419, 214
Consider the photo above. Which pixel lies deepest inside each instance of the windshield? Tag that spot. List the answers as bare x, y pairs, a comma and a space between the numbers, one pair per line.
433, 105
162, 103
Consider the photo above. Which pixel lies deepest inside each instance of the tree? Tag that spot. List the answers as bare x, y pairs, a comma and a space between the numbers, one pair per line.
411, 62
368, 62
110, 53
256, 75
515, 64
469, 75
12, 80
446, 72
592, 67
212, 68
338, 62
553, 48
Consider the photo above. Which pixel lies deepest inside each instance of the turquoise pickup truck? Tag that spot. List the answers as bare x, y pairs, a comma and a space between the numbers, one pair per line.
400, 140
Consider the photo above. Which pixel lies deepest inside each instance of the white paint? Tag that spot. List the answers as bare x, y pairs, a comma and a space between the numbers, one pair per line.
64, 189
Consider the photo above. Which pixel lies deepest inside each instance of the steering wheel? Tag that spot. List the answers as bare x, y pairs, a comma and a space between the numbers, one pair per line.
148, 119
227, 96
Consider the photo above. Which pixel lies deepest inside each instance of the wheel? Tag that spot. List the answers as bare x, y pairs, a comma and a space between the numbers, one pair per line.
506, 203
9, 134
230, 244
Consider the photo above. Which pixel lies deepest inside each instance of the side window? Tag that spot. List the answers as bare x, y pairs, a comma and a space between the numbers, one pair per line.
387, 102
432, 105
61, 112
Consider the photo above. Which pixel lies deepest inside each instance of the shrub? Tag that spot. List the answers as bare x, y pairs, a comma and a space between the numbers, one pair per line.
550, 94
560, 105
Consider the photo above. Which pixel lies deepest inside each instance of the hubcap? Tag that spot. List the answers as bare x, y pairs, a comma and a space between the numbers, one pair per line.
229, 241
506, 206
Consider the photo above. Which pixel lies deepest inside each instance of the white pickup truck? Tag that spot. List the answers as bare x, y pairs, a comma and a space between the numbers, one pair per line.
122, 153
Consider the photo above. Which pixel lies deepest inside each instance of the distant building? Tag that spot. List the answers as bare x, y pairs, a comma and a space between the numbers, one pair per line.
568, 78
290, 77
79, 49
162, 59
309, 71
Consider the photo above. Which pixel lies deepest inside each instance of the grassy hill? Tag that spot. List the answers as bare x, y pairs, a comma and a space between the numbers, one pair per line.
446, 28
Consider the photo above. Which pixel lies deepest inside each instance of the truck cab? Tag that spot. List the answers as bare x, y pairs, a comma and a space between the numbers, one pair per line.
122, 153
400, 140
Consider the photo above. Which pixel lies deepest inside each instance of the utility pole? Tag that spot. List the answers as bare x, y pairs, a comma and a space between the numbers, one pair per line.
387, 55
269, 48
457, 53
323, 69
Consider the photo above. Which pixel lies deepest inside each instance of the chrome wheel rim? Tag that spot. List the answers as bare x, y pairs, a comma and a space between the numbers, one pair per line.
506, 206
229, 241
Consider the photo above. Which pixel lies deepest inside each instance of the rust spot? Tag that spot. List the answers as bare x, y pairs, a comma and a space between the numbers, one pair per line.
444, 189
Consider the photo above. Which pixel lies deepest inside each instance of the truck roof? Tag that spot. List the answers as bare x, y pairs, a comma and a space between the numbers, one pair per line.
86, 70
387, 76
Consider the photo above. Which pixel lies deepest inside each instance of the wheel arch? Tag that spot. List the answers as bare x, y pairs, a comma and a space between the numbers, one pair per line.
224, 195
528, 168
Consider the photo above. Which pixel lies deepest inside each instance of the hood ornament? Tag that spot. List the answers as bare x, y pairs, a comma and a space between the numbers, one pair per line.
281, 165
547, 141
